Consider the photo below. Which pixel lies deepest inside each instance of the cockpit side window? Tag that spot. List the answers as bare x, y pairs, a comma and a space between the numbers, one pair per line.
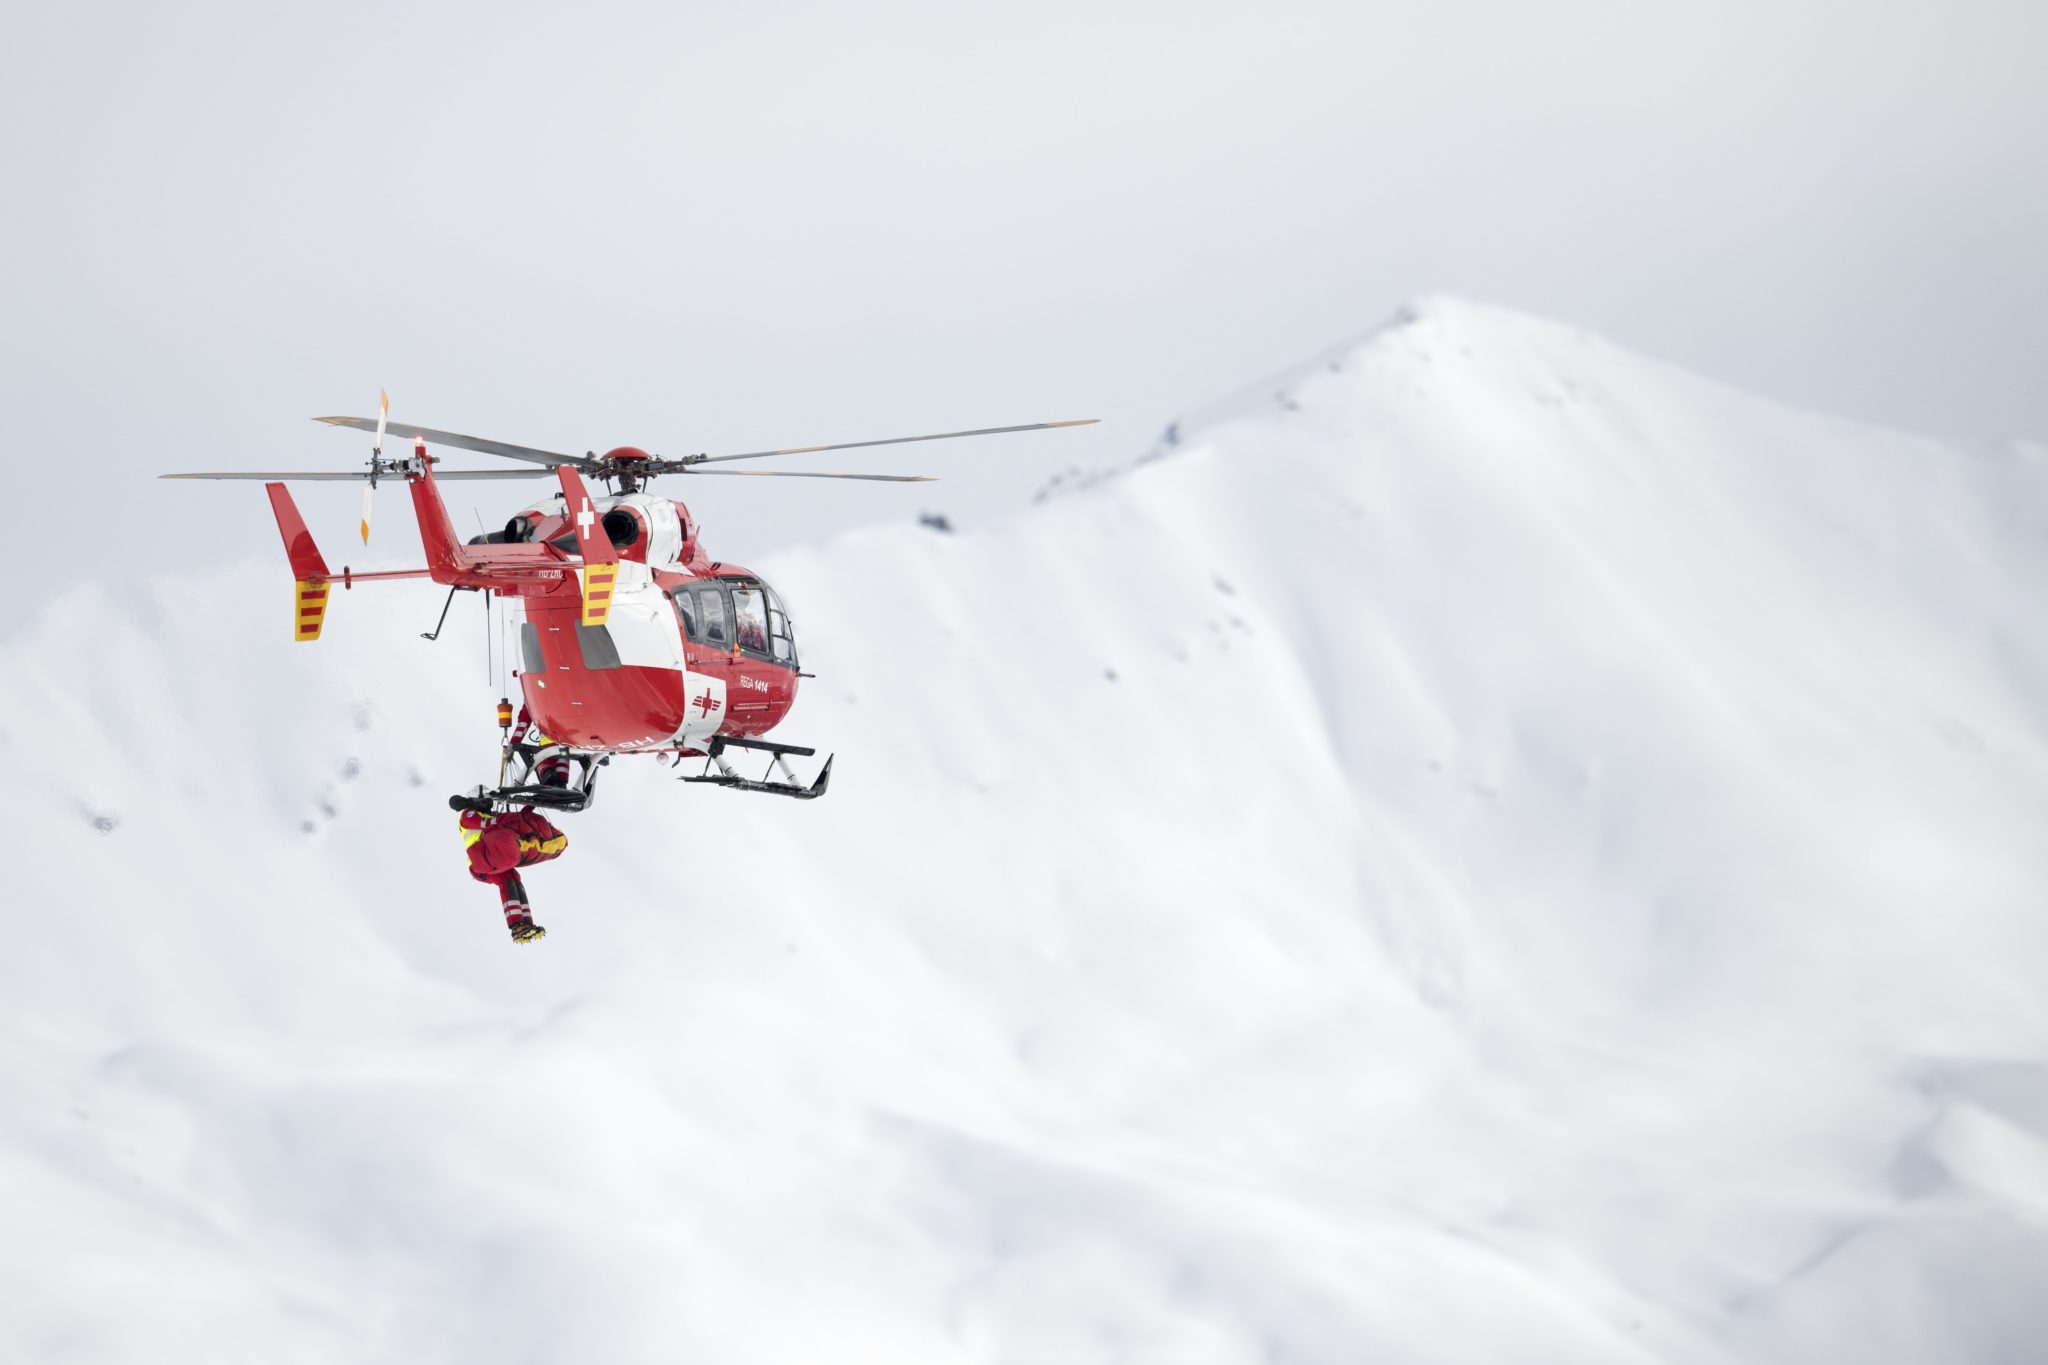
711, 616
686, 608
750, 620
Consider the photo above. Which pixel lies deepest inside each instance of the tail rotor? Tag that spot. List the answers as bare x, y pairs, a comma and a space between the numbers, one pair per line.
376, 460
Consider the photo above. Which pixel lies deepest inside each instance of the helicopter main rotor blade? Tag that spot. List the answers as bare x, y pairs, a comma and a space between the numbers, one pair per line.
794, 474
300, 475
890, 441
479, 444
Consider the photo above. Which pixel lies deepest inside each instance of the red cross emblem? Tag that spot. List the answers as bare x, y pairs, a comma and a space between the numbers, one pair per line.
705, 705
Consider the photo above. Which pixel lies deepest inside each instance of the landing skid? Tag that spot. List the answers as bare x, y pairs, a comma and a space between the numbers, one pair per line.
778, 755
576, 795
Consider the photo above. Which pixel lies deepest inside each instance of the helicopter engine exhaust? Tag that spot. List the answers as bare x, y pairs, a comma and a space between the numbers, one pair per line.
621, 527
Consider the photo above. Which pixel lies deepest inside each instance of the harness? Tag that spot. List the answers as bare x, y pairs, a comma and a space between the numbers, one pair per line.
528, 844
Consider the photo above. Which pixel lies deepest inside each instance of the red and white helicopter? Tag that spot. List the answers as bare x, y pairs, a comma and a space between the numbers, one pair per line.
632, 639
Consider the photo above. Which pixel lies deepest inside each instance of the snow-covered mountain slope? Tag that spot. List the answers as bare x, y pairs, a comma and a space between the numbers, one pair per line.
1515, 853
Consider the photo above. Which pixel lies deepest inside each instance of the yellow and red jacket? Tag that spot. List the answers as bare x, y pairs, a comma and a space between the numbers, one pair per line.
498, 844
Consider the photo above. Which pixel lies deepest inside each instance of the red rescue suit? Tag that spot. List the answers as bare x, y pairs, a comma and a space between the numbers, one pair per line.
499, 845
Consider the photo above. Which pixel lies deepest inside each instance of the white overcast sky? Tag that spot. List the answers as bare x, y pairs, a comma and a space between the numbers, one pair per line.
706, 227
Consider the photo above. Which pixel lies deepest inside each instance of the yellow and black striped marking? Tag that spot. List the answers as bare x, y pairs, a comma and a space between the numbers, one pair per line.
597, 592
312, 609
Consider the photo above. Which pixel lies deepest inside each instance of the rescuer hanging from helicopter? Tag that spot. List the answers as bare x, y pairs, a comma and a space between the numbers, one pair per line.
500, 843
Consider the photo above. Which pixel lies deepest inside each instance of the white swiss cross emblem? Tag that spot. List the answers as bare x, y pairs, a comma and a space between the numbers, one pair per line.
583, 520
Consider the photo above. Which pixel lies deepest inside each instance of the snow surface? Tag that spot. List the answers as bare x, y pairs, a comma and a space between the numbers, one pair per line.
1513, 852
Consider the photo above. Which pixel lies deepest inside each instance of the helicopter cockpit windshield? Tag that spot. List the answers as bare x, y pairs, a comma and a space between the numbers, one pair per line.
760, 625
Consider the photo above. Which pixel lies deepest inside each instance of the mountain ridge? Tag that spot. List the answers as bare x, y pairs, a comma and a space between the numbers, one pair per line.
1523, 852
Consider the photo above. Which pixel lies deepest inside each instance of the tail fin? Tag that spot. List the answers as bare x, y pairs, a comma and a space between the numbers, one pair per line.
312, 610
308, 567
298, 541
600, 560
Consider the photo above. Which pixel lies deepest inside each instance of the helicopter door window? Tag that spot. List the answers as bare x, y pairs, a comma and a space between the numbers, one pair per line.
750, 620
529, 649
711, 605
686, 608
599, 650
